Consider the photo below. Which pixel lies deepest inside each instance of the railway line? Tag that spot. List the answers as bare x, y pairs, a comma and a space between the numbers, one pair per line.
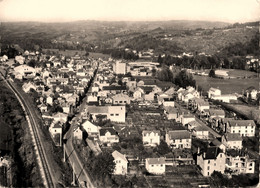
40, 152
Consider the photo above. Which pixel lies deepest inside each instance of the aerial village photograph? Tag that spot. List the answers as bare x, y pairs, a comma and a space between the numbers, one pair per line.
129, 93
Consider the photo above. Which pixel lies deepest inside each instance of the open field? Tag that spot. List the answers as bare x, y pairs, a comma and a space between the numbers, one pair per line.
98, 55
227, 86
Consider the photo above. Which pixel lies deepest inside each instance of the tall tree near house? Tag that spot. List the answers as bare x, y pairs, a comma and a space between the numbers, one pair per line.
212, 73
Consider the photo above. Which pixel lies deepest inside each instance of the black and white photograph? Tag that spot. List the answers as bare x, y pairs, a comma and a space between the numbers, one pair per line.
129, 93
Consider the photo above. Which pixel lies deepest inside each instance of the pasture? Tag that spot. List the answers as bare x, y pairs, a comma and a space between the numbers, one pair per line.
227, 86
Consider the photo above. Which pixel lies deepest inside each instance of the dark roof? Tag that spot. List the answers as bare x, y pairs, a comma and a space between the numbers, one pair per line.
242, 123
212, 152
114, 88
179, 134
103, 131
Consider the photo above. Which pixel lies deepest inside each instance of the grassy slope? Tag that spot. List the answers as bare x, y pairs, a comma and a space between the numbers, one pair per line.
227, 86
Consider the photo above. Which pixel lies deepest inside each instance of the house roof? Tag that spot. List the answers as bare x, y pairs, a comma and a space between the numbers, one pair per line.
97, 109
216, 112
103, 131
114, 87
179, 134
171, 110
160, 160
117, 154
212, 152
150, 131
233, 137
234, 123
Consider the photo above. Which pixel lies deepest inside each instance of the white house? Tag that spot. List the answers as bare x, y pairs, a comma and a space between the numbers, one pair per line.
108, 135
155, 165
178, 139
213, 159
151, 138
28, 86
90, 128
243, 127
239, 162
78, 133
225, 98
25, 71
121, 99
114, 113
232, 140
214, 92
121, 163
119, 67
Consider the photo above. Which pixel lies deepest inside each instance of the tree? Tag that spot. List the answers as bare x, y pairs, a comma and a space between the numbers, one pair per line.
212, 73
103, 165
183, 79
163, 148
165, 74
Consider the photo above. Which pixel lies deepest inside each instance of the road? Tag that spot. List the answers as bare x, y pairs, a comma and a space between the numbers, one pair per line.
81, 173
214, 133
44, 166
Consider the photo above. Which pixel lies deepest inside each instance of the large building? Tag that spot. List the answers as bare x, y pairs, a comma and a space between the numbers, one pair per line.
213, 159
119, 67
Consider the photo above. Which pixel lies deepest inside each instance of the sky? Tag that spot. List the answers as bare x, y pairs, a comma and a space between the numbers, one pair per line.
129, 10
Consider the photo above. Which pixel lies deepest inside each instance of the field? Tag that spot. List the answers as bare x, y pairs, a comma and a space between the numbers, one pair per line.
79, 52
227, 86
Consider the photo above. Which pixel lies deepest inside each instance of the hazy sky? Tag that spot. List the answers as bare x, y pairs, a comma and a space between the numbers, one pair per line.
70, 10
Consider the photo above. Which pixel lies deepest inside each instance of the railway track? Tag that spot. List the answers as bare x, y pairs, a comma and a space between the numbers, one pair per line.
44, 167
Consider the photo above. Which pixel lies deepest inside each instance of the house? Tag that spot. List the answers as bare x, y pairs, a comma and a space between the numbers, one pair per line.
121, 163
225, 98
213, 113
20, 59
108, 135
121, 99
155, 165
137, 95
214, 92
62, 117
200, 132
213, 159
232, 140
28, 86
201, 105
25, 71
77, 133
151, 138
90, 128
168, 102
186, 118
178, 139
171, 113
114, 113
56, 132
49, 100
238, 162
119, 67
243, 127
217, 143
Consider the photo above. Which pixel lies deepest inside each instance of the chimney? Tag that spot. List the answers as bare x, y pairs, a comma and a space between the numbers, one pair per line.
204, 155
198, 152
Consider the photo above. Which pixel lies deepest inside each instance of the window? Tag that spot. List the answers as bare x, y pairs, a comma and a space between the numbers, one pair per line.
251, 164
214, 164
250, 168
246, 127
161, 165
208, 167
252, 131
180, 140
208, 173
252, 127
152, 165
246, 131
208, 161
117, 114
233, 131
220, 155
111, 114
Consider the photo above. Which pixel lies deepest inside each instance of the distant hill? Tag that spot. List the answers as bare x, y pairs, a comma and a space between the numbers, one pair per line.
167, 36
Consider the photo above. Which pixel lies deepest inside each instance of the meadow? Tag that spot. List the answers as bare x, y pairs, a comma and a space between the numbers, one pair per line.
227, 86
